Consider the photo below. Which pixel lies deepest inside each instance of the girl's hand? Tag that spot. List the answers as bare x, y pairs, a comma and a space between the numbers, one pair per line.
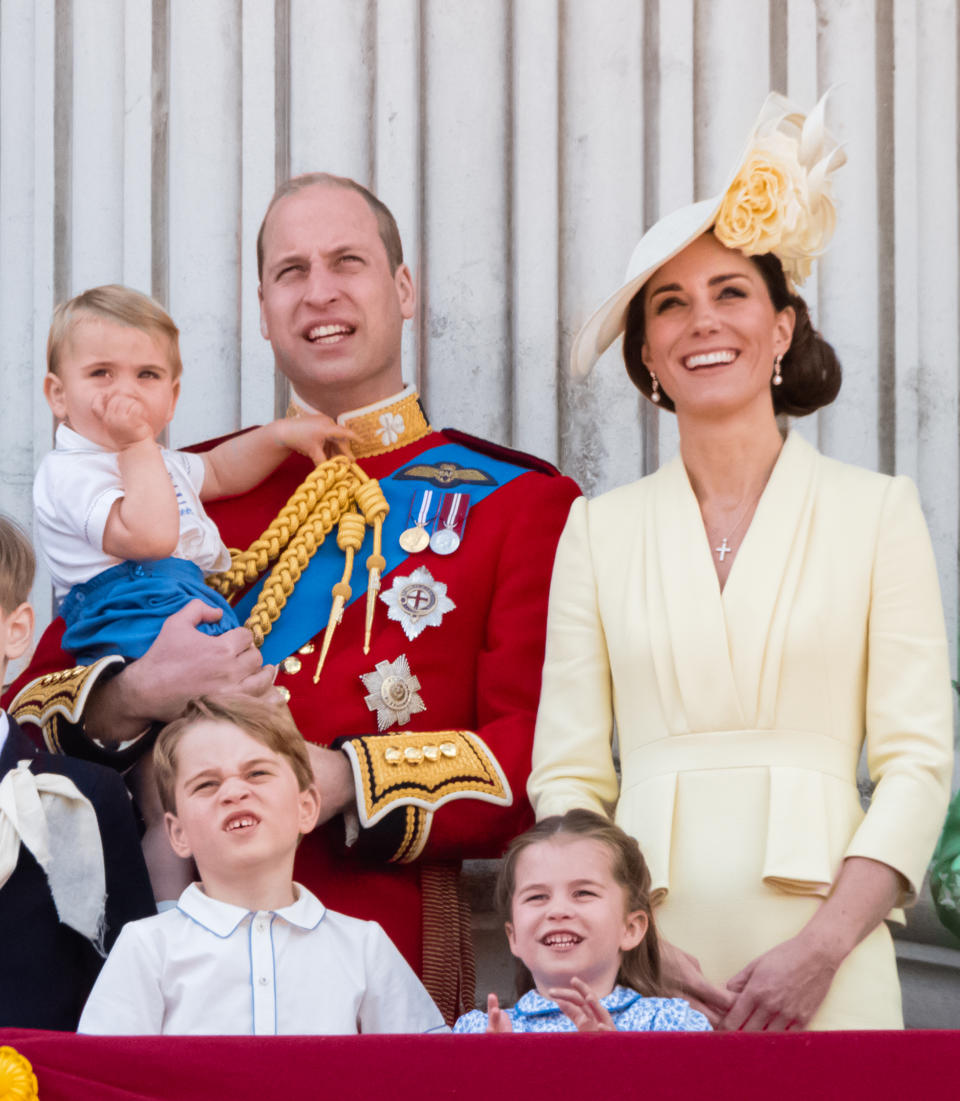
682, 975
780, 990
583, 1007
315, 435
497, 1020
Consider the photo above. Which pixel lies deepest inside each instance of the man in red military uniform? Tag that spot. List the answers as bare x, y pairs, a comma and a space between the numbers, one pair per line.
432, 718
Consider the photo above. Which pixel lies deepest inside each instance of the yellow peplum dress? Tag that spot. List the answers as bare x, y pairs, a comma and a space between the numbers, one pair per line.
740, 716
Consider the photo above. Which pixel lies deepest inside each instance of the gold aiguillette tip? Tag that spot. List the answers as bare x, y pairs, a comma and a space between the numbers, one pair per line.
335, 613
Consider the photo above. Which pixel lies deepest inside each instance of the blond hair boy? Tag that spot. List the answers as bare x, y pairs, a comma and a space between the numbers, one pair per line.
247, 951
120, 519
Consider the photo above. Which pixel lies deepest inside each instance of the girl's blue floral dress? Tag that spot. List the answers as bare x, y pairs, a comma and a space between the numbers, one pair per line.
631, 1012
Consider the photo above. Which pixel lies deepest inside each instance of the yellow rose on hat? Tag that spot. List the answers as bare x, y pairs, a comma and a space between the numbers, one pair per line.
777, 204
17, 1080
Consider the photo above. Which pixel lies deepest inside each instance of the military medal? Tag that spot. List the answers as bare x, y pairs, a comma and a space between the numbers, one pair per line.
393, 692
415, 537
450, 523
417, 602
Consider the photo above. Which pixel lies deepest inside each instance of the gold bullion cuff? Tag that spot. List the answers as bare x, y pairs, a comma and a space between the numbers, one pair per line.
416, 830
61, 695
424, 771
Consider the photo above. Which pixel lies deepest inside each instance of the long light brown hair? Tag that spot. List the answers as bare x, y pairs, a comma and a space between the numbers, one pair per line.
639, 966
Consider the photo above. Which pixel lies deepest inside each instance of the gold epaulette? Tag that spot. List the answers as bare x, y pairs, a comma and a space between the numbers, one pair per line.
419, 773
59, 695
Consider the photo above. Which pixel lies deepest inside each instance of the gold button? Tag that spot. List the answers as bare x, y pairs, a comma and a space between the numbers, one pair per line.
413, 754
448, 749
431, 752
393, 755
291, 664
284, 692
308, 648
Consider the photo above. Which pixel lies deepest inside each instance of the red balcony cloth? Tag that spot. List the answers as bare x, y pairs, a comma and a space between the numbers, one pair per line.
793, 1067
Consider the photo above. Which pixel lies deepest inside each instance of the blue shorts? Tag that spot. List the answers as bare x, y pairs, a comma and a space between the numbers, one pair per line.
121, 610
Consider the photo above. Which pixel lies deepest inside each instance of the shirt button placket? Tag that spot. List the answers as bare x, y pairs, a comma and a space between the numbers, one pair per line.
262, 976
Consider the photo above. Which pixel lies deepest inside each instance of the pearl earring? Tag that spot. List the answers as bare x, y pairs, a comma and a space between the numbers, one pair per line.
654, 389
777, 376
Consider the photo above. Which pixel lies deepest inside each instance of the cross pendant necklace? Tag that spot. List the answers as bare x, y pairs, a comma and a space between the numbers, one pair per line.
724, 549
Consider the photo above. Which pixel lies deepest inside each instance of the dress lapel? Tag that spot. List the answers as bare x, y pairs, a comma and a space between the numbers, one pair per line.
760, 590
689, 641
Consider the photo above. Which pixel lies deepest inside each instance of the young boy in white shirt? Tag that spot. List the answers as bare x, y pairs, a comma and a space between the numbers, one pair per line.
247, 951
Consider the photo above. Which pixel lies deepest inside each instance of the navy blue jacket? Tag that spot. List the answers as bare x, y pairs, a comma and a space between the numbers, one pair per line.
46, 968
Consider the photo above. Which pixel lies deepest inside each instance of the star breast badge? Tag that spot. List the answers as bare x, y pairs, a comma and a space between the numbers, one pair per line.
417, 602
393, 692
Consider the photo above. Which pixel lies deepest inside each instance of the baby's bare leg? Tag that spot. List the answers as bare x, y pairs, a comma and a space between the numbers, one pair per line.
169, 873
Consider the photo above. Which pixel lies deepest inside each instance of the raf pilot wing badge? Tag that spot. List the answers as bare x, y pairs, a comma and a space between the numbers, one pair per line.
446, 475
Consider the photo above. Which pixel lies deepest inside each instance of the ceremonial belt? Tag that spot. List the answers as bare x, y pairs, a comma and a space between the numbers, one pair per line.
308, 606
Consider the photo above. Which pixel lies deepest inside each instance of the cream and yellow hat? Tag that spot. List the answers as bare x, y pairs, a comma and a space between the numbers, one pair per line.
778, 200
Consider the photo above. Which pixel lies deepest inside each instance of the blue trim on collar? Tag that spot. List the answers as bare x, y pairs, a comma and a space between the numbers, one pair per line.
223, 918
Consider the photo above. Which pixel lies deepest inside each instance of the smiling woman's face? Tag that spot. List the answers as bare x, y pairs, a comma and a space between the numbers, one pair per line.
711, 332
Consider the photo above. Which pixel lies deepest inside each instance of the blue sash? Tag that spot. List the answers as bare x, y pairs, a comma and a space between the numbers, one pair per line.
308, 606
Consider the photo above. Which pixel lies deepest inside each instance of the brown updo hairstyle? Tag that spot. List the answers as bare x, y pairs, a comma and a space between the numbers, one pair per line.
639, 966
810, 369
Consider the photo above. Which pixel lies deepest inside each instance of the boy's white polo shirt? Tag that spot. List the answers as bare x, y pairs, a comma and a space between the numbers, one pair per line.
211, 968
74, 490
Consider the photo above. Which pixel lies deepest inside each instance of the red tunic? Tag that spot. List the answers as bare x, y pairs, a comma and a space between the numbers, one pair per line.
479, 670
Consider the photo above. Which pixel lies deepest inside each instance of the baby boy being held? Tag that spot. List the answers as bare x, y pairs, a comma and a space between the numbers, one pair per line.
247, 951
120, 521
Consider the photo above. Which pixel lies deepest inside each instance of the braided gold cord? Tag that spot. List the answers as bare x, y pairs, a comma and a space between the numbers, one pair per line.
326, 497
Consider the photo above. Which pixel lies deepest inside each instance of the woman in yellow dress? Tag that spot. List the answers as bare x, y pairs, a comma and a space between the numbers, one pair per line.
746, 618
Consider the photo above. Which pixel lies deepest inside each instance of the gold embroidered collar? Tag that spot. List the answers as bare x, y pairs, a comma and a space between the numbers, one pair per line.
381, 427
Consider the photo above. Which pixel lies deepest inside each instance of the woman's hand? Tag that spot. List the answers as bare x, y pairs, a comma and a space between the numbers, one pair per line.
785, 986
497, 1020
682, 975
583, 1007
782, 989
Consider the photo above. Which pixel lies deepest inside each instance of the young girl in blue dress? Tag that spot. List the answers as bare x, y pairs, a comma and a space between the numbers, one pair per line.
575, 895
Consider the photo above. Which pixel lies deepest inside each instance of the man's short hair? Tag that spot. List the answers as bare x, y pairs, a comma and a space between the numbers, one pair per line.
17, 565
386, 223
118, 304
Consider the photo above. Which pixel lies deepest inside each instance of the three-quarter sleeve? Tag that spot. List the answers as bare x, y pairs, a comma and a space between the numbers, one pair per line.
572, 757
908, 705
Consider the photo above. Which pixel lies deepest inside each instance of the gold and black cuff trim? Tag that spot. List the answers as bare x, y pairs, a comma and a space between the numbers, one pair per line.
61, 695
396, 770
416, 830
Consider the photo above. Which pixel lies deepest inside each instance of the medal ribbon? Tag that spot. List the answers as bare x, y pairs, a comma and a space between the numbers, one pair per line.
453, 511
423, 512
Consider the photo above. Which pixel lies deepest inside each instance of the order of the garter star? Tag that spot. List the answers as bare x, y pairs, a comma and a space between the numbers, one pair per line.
417, 602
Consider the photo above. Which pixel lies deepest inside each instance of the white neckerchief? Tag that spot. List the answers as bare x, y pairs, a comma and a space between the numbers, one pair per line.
59, 827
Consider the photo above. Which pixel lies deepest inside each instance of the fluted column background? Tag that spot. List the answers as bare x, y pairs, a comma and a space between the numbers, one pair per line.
524, 146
